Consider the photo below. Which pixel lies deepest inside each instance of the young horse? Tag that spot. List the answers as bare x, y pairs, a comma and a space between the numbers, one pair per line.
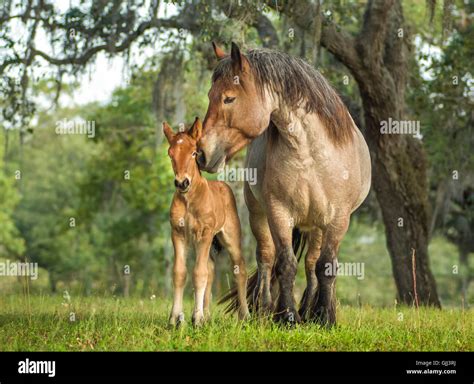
202, 212
313, 170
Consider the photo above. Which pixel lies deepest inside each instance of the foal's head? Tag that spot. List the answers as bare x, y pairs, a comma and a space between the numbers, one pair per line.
183, 152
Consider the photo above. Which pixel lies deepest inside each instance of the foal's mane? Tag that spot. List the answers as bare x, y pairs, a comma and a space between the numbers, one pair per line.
297, 84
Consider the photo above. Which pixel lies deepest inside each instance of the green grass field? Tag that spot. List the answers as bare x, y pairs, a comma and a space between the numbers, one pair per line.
43, 323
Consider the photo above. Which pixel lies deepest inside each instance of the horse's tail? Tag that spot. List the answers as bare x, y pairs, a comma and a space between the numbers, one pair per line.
232, 298
299, 240
299, 243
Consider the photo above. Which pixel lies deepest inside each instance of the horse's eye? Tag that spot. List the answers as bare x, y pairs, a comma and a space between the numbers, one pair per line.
194, 154
229, 100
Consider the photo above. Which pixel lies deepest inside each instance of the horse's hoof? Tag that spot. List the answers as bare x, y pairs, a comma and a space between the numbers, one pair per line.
287, 318
244, 315
176, 321
198, 320
325, 317
303, 312
264, 311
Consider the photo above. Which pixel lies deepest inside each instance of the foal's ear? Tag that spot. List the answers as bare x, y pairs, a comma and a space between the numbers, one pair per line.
168, 131
239, 62
196, 130
220, 54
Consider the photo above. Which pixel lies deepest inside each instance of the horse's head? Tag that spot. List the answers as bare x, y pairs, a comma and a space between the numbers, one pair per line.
183, 152
237, 111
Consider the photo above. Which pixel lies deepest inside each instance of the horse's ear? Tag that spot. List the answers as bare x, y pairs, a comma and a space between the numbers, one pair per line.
239, 61
219, 52
196, 129
168, 131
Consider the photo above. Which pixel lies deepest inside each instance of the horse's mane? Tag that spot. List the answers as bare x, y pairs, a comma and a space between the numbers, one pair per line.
297, 84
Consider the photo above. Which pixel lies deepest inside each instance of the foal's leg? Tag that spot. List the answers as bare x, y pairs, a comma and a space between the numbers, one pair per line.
314, 250
208, 293
230, 238
179, 277
281, 226
324, 308
200, 277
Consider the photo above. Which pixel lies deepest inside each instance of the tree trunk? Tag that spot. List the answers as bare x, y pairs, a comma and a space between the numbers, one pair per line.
52, 282
399, 161
378, 59
399, 181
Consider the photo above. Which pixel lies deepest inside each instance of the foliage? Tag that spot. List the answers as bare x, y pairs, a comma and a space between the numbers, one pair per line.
442, 98
11, 242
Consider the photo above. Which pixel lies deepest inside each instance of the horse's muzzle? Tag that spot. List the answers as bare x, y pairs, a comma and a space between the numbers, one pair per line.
201, 159
211, 163
182, 186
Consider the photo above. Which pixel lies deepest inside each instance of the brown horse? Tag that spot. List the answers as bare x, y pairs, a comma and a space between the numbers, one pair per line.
203, 213
313, 170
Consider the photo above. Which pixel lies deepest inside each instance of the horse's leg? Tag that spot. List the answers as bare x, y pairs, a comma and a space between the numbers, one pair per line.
281, 226
262, 297
324, 309
200, 277
208, 292
230, 238
179, 277
312, 256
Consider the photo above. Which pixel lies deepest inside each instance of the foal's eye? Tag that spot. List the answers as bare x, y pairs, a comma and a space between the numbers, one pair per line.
194, 154
229, 100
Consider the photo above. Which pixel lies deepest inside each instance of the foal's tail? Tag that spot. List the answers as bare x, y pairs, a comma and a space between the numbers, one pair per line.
299, 240
216, 248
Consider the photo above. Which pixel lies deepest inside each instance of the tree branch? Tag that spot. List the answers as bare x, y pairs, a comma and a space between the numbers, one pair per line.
396, 48
266, 31
342, 45
371, 40
172, 23
334, 38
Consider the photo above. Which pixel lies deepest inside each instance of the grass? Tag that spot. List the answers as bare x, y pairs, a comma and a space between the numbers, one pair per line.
43, 323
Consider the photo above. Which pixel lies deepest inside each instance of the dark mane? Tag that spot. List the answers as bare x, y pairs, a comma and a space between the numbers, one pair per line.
297, 84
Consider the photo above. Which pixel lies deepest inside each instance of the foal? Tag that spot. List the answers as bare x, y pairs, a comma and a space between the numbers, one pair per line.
202, 213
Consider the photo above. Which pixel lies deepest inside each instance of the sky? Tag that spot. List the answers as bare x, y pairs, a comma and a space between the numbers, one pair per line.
106, 74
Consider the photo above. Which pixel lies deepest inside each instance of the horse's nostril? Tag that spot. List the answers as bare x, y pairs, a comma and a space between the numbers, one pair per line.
182, 185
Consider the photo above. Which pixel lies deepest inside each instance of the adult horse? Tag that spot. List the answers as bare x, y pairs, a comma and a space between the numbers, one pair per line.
313, 170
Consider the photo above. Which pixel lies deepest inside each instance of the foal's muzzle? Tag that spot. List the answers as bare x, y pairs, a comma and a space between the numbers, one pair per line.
182, 186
